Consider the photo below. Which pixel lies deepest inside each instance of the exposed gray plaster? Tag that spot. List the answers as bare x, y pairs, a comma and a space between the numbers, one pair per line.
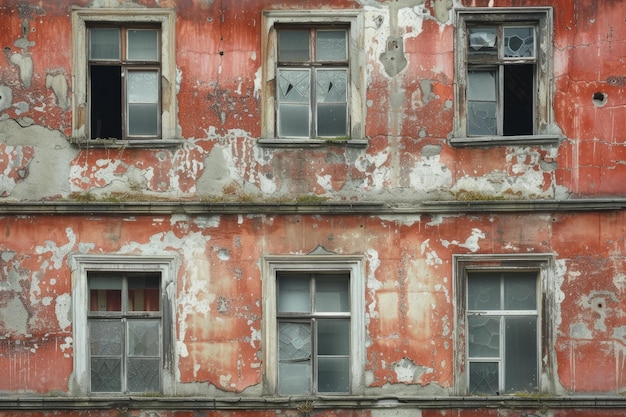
393, 58
25, 64
14, 317
6, 97
58, 84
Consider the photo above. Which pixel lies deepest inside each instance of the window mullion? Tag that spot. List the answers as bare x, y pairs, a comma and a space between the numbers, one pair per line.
313, 103
500, 100
501, 359
314, 364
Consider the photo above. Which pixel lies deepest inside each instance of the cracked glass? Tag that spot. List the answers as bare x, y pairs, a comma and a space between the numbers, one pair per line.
482, 103
519, 42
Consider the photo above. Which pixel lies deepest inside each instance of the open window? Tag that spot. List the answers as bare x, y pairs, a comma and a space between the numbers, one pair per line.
503, 74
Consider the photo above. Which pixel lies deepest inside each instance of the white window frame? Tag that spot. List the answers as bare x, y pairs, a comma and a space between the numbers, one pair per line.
81, 265
165, 19
271, 19
543, 264
541, 18
354, 265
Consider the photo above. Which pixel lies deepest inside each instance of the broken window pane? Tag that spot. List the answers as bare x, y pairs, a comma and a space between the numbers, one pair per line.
519, 42
483, 378
332, 293
332, 107
293, 46
481, 103
143, 45
483, 40
104, 44
331, 45
294, 356
520, 354
520, 292
483, 337
483, 291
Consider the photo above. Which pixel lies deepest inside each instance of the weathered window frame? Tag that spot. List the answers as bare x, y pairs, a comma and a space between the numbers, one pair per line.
541, 18
543, 264
165, 19
81, 266
274, 19
354, 266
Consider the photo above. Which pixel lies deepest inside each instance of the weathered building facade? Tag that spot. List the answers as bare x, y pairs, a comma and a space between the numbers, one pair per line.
313, 207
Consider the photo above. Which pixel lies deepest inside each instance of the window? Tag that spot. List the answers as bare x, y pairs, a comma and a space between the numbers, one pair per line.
503, 75
502, 330
314, 328
124, 85
313, 88
124, 77
123, 324
124, 331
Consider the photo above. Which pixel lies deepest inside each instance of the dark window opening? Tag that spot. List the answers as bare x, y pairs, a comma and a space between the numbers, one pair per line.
518, 99
106, 101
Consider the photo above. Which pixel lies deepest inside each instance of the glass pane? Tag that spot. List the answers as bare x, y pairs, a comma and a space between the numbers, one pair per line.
483, 337
104, 43
143, 375
143, 87
144, 293
481, 118
520, 291
293, 46
483, 41
331, 45
105, 337
333, 374
483, 378
333, 337
106, 374
332, 120
294, 294
332, 86
294, 86
143, 119
143, 45
144, 338
483, 291
520, 356
332, 293
519, 42
294, 377
293, 120
481, 85
294, 341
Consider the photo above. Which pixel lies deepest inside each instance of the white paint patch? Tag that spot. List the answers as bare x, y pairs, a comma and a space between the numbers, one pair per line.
62, 309
471, 242
429, 174
58, 253
619, 280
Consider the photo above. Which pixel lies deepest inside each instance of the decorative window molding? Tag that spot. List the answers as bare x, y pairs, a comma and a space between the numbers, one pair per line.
164, 20
484, 278
282, 267
489, 102
84, 267
349, 20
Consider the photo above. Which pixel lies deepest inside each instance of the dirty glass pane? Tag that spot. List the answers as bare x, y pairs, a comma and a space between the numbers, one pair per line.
483, 337
142, 119
294, 293
144, 338
332, 120
481, 85
333, 337
105, 337
143, 375
331, 45
294, 341
294, 86
331, 293
104, 43
520, 291
143, 87
481, 103
105, 293
482, 40
520, 356
293, 46
332, 86
519, 42
294, 378
483, 291
106, 374
144, 293
293, 120
143, 45
483, 378
333, 374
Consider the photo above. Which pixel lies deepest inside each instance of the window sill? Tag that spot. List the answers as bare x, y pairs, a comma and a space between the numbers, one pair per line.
311, 143
125, 144
476, 141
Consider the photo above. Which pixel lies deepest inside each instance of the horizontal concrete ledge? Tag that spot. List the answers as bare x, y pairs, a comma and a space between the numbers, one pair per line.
527, 404
323, 208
